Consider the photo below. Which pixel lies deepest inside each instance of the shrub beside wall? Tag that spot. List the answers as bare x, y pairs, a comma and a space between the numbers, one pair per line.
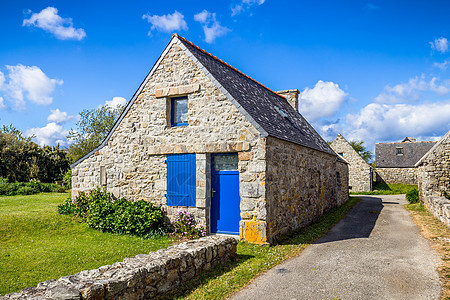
100, 211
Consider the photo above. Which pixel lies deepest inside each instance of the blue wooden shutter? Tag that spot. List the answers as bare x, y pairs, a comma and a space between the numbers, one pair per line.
181, 180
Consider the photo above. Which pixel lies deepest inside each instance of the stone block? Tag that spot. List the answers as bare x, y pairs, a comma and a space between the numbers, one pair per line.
250, 190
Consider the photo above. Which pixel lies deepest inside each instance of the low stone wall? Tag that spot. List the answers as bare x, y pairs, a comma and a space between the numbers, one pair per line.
141, 277
439, 207
397, 175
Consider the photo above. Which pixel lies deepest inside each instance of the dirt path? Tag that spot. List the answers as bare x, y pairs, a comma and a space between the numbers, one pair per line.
376, 252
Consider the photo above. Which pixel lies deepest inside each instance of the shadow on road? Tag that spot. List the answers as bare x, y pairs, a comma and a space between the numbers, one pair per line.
358, 223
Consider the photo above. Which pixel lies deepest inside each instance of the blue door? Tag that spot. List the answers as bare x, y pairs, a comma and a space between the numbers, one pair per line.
181, 180
225, 202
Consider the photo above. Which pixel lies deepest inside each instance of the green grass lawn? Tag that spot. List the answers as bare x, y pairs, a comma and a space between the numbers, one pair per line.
37, 244
388, 189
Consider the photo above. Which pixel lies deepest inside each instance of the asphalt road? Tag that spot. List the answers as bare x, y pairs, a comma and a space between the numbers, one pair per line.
376, 252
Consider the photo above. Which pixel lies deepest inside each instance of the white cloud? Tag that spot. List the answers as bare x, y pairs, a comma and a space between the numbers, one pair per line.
324, 100
115, 102
443, 66
2, 80
389, 122
49, 20
211, 27
166, 23
58, 116
51, 134
28, 83
412, 90
440, 44
441, 90
243, 5
2, 103
203, 16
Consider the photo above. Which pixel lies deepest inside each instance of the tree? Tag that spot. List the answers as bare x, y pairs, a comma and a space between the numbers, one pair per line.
361, 149
23, 160
92, 128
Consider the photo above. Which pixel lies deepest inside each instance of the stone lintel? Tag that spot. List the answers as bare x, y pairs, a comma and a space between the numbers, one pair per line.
214, 147
177, 90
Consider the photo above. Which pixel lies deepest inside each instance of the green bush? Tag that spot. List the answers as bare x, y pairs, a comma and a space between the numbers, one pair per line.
67, 179
101, 212
412, 196
67, 208
27, 188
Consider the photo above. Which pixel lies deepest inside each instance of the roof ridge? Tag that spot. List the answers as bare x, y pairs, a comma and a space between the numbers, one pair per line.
409, 142
226, 64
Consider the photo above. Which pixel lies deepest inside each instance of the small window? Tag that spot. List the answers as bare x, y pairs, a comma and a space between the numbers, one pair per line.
225, 162
179, 111
399, 151
341, 154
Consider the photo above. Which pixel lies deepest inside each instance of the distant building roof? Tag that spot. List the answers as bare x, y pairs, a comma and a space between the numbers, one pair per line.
401, 155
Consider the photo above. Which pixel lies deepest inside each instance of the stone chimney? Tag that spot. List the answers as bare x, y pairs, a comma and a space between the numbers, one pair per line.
291, 97
409, 139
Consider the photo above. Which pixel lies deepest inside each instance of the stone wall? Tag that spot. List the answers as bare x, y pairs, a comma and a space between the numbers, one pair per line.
360, 172
134, 158
434, 172
397, 175
302, 184
144, 276
439, 207
342, 178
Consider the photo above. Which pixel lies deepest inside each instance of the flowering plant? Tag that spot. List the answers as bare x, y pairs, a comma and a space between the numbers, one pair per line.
184, 226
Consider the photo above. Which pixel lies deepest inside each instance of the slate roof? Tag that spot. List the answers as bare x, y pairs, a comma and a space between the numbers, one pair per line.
271, 111
386, 157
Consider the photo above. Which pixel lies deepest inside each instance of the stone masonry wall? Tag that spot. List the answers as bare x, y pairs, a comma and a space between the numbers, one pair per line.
439, 207
342, 181
134, 159
397, 175
360, 172
434, 175
302, 184
144, 276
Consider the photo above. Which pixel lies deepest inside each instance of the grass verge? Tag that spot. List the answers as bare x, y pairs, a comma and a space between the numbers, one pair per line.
439, 235
37, 244
253, 260
388, 189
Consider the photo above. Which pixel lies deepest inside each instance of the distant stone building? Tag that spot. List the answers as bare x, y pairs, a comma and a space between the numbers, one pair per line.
434, 179
395, 162
359, 171
199, 135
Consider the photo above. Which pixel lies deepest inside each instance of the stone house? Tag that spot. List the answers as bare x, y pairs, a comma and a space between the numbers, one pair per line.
359, 171
433, 171
395, 162
199, 135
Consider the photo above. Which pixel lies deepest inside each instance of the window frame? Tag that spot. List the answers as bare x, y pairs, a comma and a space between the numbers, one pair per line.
173, 112
399, 151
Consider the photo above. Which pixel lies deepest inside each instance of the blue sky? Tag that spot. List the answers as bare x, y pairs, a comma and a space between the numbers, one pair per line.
375, 71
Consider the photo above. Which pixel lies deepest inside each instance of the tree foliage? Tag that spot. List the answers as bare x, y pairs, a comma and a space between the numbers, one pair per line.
23, 160
92, 128
361, 149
